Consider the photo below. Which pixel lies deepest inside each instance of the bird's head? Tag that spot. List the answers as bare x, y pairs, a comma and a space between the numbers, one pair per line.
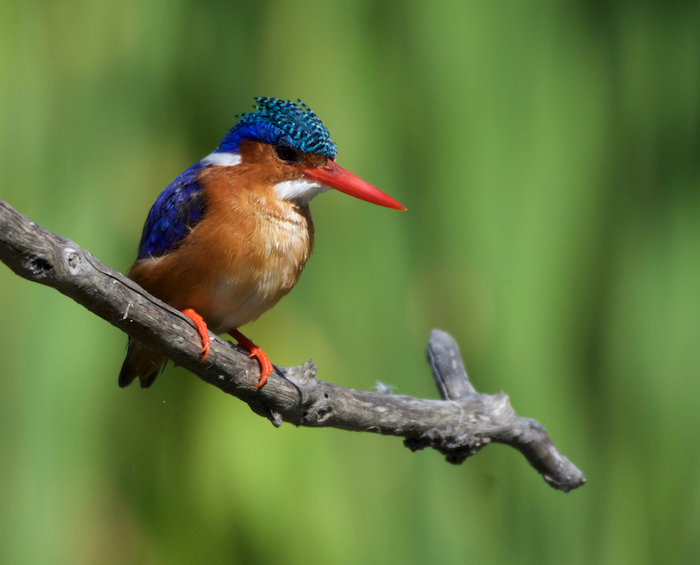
293, 139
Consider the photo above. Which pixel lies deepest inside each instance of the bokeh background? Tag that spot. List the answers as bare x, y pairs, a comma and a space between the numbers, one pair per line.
549, 155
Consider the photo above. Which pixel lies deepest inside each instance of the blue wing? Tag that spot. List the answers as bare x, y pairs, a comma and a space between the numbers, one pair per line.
173, 215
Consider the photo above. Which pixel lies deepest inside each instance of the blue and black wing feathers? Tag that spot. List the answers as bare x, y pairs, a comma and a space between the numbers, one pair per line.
173, 215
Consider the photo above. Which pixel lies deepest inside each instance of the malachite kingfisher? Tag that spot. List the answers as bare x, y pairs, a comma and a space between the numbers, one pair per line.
229, 237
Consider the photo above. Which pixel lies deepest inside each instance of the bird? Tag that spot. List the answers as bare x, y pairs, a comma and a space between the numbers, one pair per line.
229, 237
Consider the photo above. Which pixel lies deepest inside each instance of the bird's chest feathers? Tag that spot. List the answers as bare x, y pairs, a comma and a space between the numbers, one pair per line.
262, 246
277, 249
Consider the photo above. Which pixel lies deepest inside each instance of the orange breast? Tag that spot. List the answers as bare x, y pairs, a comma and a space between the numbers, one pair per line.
245, 254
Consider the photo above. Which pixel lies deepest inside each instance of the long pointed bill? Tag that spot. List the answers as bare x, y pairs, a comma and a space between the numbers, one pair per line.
336, 177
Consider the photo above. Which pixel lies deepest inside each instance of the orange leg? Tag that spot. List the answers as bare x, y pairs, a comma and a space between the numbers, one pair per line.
202, 329
256, 352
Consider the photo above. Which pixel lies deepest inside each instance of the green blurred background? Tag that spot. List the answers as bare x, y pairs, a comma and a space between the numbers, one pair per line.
549, 156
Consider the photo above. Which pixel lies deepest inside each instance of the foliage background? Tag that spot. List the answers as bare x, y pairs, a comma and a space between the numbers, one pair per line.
549, 155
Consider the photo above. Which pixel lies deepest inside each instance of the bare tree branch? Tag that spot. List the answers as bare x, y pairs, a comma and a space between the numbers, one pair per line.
458, 426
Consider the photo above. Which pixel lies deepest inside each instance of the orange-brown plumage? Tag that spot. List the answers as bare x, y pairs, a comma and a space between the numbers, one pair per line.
245, 254
230, 236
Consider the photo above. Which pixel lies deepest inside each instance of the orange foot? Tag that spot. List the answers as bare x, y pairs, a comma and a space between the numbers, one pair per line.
256, 352
201, 326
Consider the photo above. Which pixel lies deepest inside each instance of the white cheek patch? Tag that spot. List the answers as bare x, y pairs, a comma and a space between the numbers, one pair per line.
299, 189
221, 160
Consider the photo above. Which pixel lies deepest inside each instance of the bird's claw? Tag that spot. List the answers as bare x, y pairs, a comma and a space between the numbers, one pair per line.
204, 353
201, 326
265, 365
255, 351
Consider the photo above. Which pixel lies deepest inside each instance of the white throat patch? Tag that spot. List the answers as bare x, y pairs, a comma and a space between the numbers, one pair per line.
302, 190
221, 160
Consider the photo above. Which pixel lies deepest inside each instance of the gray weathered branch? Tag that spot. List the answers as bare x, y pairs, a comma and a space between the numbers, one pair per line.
458, 426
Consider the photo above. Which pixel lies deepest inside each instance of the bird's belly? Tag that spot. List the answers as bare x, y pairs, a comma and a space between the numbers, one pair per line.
236, 301
252, 286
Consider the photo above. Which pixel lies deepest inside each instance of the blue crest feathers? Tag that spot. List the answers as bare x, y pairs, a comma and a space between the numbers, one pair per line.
281, 121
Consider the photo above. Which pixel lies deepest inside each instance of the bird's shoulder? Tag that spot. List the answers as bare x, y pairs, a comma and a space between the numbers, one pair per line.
178, 208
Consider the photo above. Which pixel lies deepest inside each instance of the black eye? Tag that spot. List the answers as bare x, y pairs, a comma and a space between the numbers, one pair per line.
286, 153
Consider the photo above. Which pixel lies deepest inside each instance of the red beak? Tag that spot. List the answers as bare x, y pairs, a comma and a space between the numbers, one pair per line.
336, 177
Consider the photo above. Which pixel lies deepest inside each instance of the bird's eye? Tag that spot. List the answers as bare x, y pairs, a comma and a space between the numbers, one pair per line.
286, 153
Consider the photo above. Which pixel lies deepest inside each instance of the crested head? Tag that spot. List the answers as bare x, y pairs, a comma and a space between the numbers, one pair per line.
283, 122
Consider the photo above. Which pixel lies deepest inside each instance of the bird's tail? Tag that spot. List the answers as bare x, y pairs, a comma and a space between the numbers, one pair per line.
141, 362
